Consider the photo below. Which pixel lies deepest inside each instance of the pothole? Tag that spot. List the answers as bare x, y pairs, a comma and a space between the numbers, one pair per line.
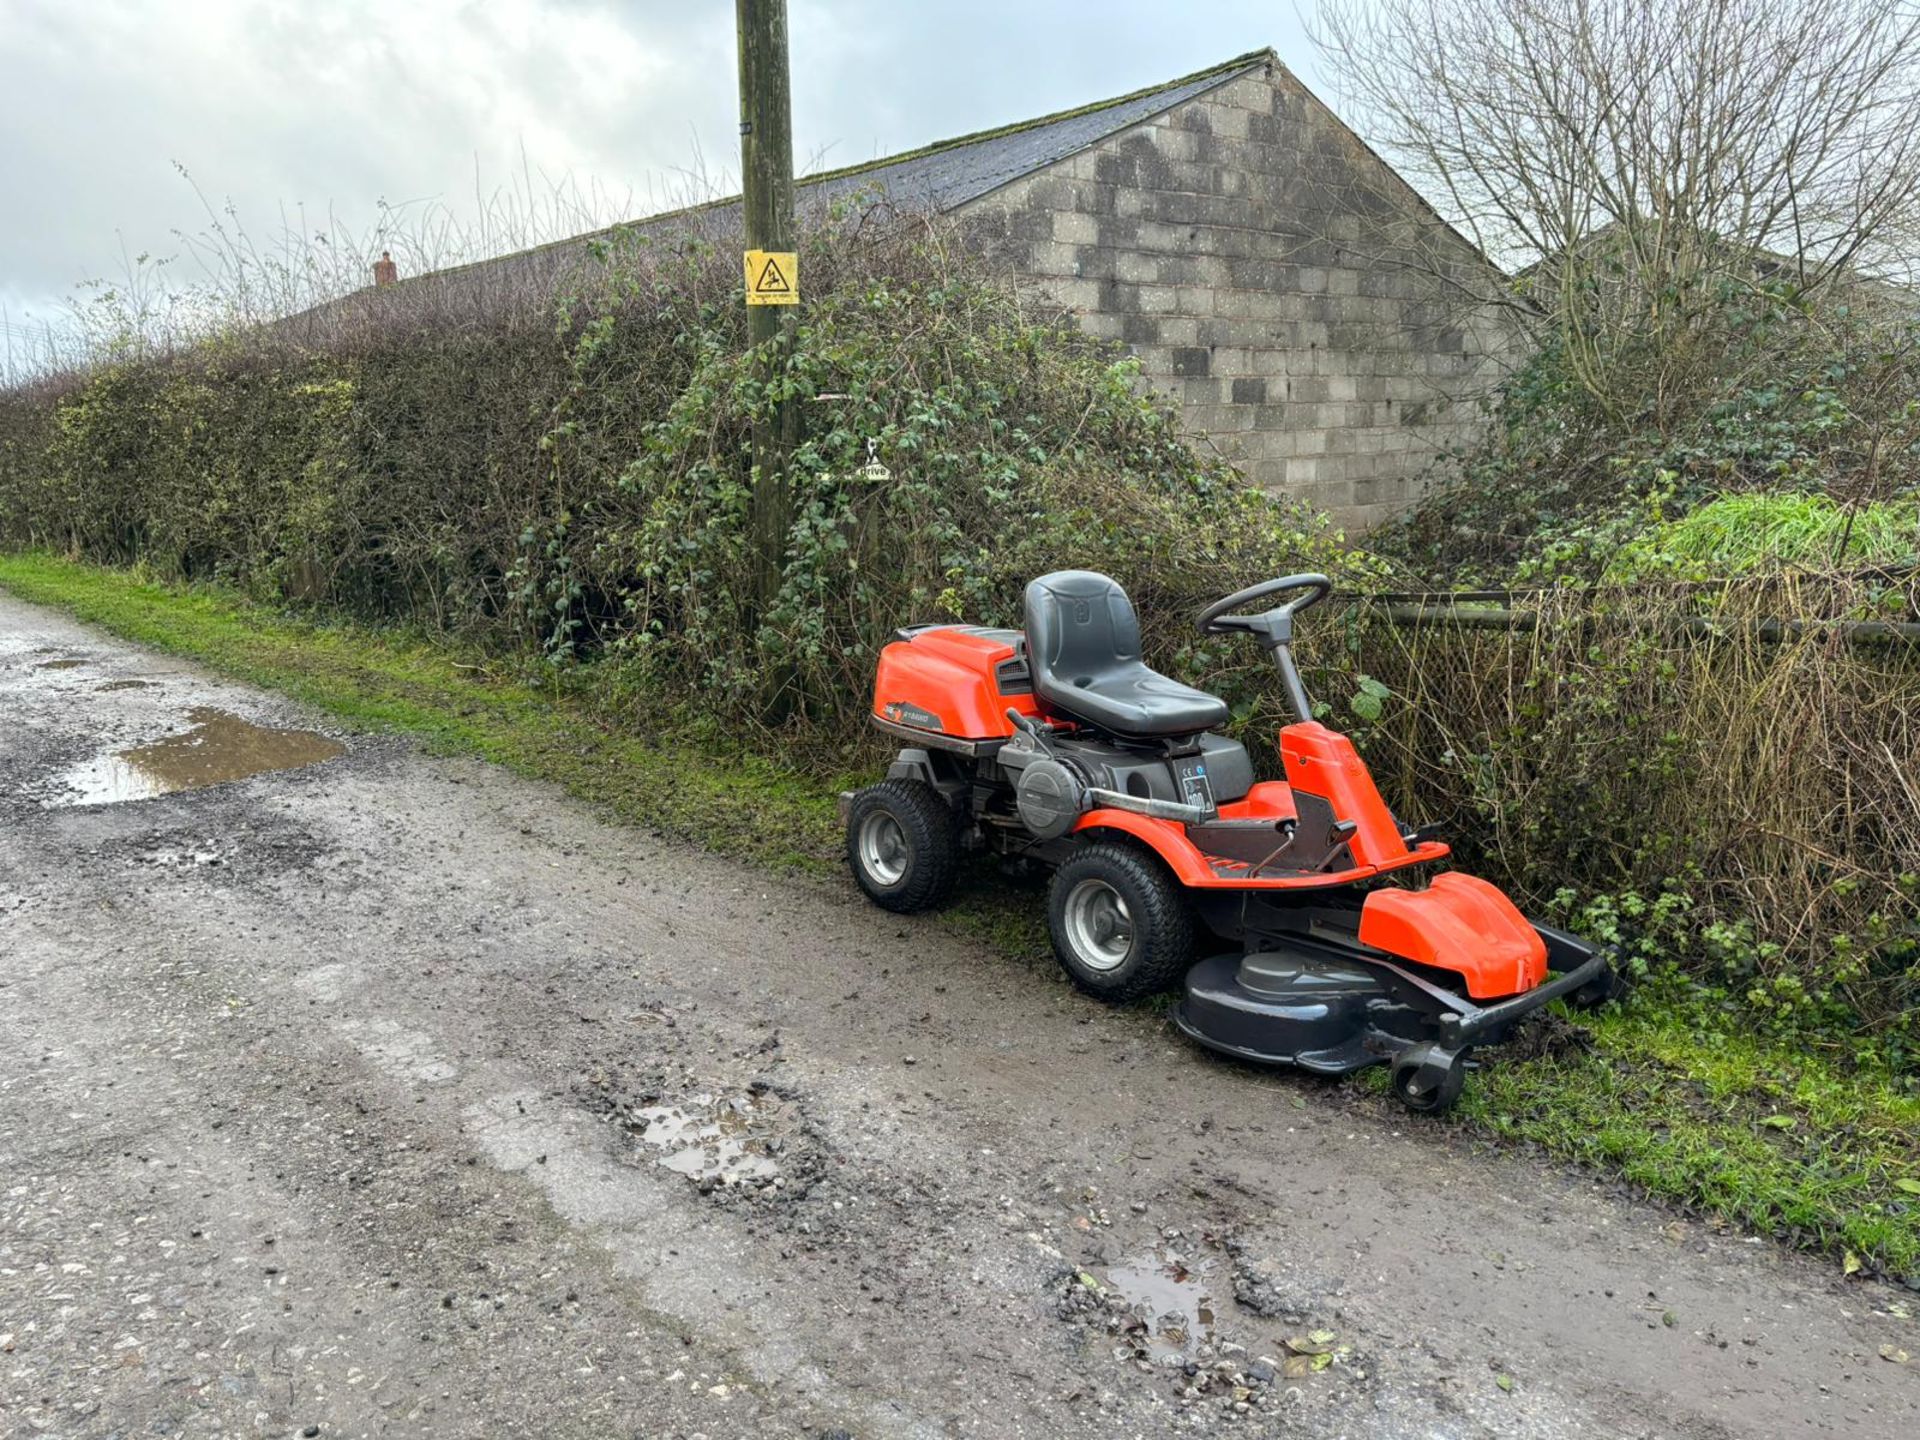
219, 748
1167, 1303
68, 664
1157, 1311
714, 1140
112, 685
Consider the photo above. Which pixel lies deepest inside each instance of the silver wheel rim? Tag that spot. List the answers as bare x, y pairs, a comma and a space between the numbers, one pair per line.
884, 852
1099, 925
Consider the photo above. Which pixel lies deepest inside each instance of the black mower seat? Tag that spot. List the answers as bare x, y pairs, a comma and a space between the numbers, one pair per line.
1083, 647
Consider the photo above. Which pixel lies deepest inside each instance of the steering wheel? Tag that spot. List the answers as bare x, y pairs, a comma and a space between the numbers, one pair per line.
1273, 625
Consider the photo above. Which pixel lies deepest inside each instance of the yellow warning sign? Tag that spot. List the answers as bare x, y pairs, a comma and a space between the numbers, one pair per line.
773, 277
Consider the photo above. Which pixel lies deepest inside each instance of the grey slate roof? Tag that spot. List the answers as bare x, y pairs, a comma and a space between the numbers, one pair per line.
949, 173
953, 172
942, 176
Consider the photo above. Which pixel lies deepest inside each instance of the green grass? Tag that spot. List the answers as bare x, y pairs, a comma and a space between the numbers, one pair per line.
1762, 1136
1766, 1137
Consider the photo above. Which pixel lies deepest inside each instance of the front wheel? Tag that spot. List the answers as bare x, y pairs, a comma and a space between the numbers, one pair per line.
1121, 927
903, 845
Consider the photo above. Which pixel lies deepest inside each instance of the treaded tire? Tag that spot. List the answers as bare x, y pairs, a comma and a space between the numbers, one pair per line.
903, 845
1157, 948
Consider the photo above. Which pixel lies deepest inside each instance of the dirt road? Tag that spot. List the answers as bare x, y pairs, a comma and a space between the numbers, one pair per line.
396, 1096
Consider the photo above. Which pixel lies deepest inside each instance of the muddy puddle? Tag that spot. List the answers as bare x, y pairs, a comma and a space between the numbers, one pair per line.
1171, 1303
113, 685
218, 749
712, 1140
59, 664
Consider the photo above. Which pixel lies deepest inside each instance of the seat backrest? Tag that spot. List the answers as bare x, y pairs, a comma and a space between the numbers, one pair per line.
1079, 626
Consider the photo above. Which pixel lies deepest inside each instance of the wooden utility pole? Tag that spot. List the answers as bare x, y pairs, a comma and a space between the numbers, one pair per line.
766, 175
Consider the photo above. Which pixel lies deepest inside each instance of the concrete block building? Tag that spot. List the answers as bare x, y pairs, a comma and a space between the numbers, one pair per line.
1274, 277
1299, 302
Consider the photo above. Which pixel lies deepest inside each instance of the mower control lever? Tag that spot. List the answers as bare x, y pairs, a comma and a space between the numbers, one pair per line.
1034, 729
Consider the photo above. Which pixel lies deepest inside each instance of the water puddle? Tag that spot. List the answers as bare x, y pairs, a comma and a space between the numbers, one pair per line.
710, 1140
1169, 1303
220, 748
125, 685
59, 664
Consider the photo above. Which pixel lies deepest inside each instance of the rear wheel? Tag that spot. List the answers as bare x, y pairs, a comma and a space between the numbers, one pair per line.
903, 845
1121, 927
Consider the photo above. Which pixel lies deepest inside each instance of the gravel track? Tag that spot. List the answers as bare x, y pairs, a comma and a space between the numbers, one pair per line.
399, 1096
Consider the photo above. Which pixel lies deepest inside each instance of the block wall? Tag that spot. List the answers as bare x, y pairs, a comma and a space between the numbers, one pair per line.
1277, 281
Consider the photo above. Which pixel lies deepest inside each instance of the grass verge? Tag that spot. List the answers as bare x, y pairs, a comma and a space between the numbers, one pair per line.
1747, 1132
739, 804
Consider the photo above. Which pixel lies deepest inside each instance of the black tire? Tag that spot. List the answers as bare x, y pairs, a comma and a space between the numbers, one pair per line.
1604, 990
1149, 942
903, 845
1427, 1079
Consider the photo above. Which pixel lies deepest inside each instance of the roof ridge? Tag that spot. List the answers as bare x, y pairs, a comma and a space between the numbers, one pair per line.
1222, 70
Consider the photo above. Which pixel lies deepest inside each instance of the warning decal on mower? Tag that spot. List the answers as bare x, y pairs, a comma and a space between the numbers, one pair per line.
773, 277
1195, 789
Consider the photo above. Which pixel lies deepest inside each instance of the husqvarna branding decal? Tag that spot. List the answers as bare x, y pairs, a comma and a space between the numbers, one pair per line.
902, 713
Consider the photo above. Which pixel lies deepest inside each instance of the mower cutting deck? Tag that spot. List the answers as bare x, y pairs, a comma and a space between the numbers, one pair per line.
1059, 745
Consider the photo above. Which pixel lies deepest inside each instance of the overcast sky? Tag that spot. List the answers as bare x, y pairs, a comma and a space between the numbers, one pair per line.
320, 110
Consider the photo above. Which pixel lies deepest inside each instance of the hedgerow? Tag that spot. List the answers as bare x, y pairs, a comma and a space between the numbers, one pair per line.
1678, 739
573, 484
1669, 768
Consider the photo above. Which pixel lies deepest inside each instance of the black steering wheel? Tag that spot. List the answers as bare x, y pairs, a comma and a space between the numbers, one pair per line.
1273, 625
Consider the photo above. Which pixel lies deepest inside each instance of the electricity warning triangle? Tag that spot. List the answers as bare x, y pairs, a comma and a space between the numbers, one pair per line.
773, 277
772, 280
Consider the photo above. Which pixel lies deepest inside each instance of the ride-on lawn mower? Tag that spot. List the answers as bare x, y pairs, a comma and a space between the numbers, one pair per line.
1058, 745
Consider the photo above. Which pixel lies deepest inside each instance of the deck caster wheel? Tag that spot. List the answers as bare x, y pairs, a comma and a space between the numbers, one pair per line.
903, 845
1597, 992
1428, 1079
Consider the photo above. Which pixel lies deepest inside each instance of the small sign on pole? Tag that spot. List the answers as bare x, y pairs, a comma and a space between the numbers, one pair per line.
773, 277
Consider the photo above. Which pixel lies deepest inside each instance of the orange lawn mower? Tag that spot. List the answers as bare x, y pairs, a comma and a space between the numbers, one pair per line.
1058, 745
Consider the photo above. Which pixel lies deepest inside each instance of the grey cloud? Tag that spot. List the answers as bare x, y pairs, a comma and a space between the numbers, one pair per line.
308, 109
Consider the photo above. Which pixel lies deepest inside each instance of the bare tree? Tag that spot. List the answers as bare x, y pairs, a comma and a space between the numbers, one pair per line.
1639, 163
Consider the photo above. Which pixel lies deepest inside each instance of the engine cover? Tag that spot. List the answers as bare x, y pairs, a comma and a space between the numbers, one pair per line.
1050, 798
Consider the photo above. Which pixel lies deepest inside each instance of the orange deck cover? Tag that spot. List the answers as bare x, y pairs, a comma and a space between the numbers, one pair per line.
1463, 924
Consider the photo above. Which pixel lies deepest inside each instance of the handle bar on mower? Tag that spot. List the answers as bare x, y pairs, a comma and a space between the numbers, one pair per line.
1219, 617
1458, 1030
1273, 628
1147, 805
